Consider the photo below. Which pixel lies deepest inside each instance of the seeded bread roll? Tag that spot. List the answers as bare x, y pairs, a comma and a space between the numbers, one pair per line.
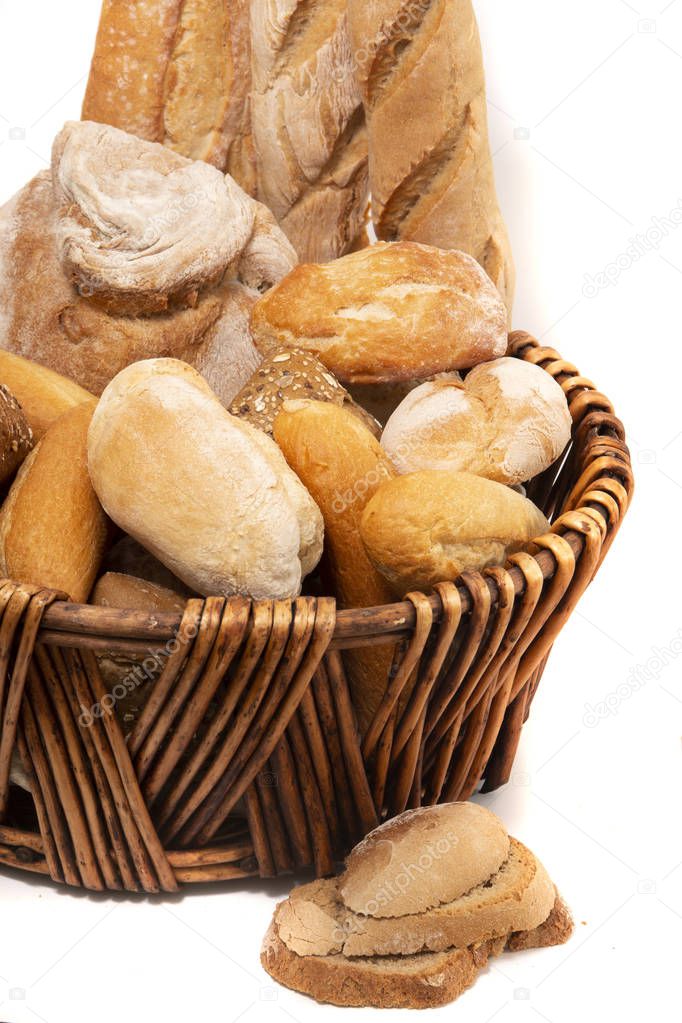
341, 463
286, 375
53, 531
209, 495
507, 421
390, 312
16, 437
464, 843
43, 395
430, 526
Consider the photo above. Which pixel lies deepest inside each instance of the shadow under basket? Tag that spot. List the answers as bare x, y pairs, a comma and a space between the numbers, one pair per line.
245, 758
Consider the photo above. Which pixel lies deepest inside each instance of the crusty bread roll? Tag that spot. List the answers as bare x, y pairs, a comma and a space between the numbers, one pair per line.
430, 526
209, 495
507, 421
308, 124
116, 590
288, 374
175, 72
121, 228
53, 531
387, 313
420, 71
43, 395
342, 465
16, 437
467, 845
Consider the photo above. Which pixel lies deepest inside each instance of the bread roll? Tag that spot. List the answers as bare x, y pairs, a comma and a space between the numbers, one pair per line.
43, 395
116, 590
430, 526
53, 531
176, 72
342, 465
390, 312
127, 250
507, 421
420, 70
466, 845
286, 375
129, 558
16, 438
209, 495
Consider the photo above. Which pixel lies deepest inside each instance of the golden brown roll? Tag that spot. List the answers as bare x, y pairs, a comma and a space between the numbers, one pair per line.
390, 312
43, 395
341, 463
53, 531
430, 526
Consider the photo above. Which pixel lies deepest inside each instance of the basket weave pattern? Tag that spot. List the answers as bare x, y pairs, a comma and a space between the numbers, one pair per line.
246, 758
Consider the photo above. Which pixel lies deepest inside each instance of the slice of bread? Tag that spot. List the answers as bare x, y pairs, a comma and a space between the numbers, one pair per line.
519, 897
420, 981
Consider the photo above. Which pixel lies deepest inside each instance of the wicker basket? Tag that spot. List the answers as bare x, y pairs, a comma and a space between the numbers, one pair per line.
246, 758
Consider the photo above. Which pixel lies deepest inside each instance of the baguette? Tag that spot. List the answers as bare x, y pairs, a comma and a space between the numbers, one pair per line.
341, 463
53, 531
308, 124
420, 71
176, 72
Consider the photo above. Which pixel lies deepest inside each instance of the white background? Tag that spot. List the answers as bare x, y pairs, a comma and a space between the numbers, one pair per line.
585, 123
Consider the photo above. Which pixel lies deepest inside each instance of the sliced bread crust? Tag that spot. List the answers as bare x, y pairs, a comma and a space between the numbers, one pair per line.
519, 897
420, 981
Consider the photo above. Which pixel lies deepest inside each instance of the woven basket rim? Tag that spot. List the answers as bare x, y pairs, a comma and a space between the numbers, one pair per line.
100, 627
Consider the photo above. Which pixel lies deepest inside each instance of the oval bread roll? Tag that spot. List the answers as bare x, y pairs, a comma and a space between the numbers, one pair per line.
430, 526
508, 421
342, 465
393, 311
209, 495
53, 531
43, 394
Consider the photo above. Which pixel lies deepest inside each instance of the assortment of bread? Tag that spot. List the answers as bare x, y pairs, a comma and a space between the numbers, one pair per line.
423, 904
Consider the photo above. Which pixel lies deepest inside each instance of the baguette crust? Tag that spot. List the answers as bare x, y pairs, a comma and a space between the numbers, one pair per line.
176, 72
420, 70
421, 981
43, 395
308, 124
